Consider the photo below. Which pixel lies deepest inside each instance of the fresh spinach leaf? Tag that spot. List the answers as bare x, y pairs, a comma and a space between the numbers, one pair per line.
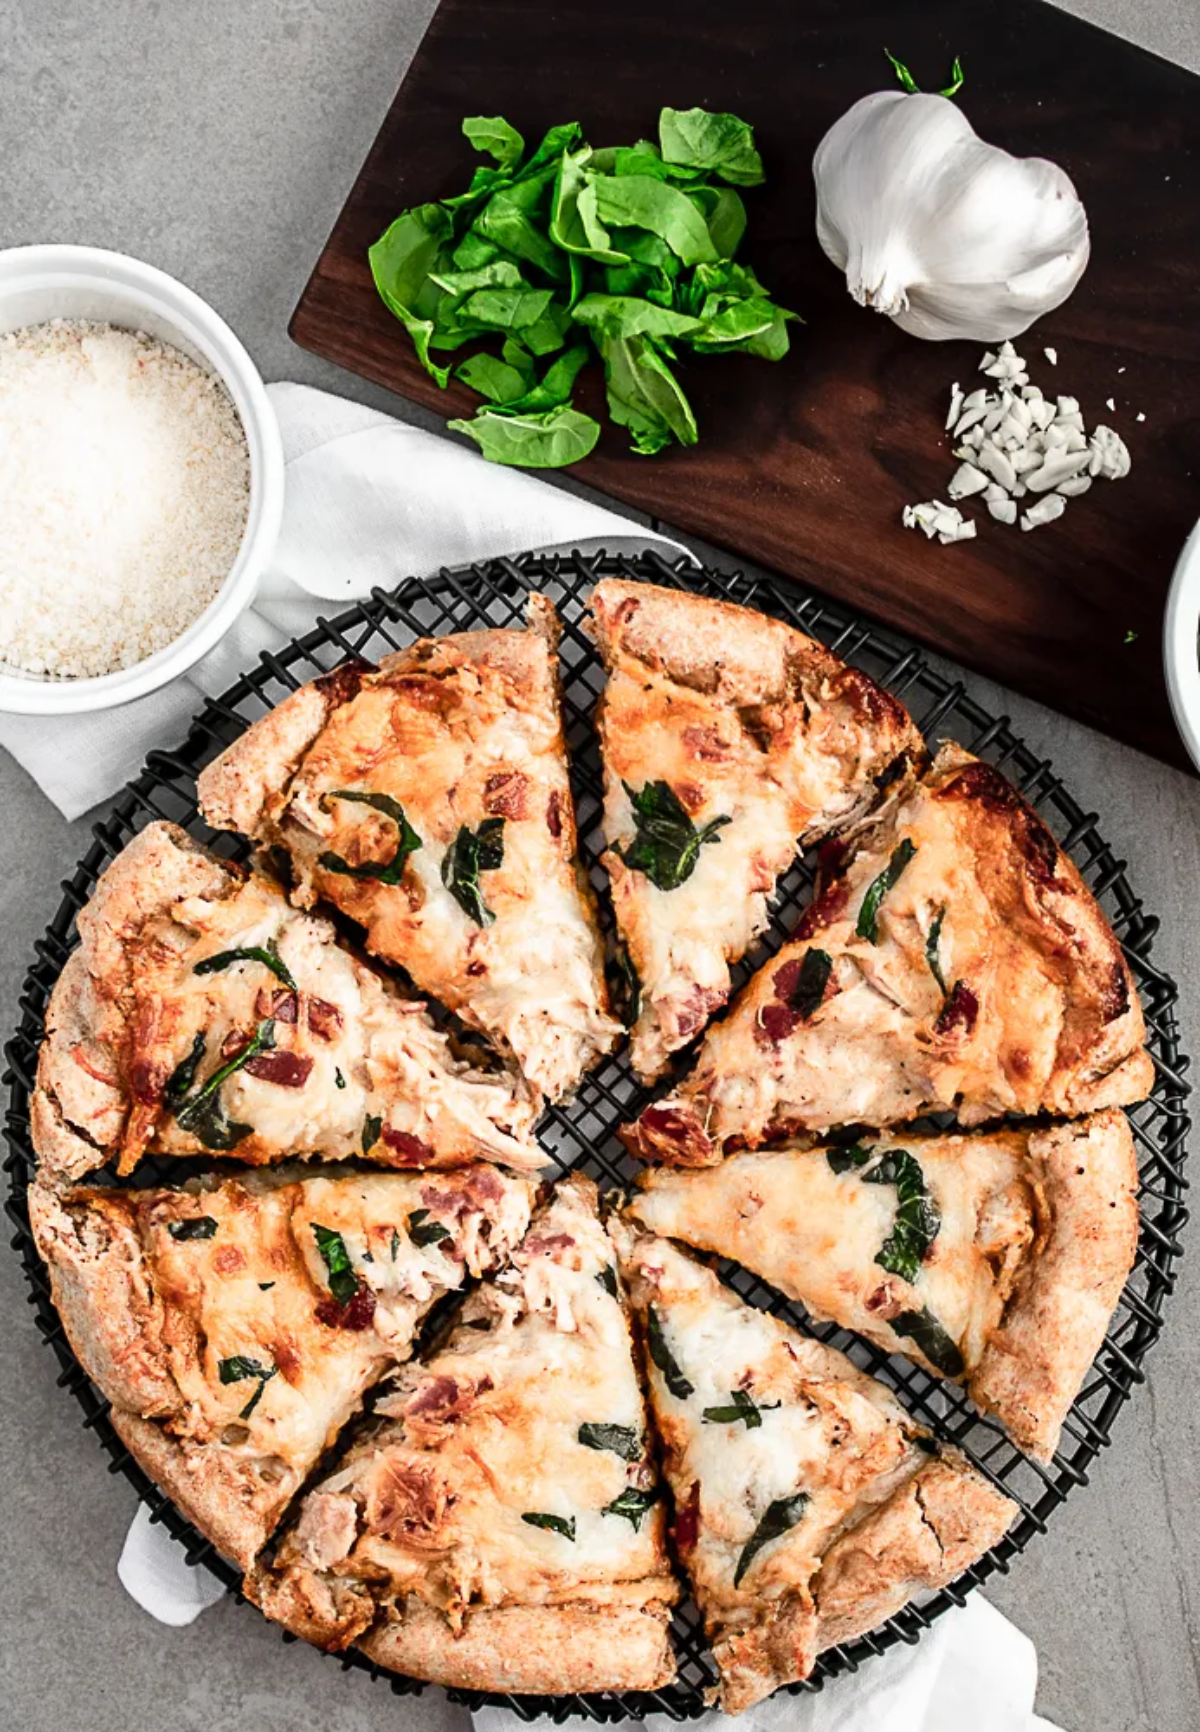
725, 216
933, 948
423, 1231
507, 309
267, 954
644, 202
645, 396
579, 231
343, 1282
868, 914
556, 386
665, 1360
401, 262
548, 440
496, 137
628, 316
550, 331
622, 1440
492, 378
505, 223
937, 1346
497, 274
667, 844
633, 1503
742, 1407
198, 1227
918, 1220
778, 1519
719, 143
184, 1074
473, 252
564, 1525
239, 1368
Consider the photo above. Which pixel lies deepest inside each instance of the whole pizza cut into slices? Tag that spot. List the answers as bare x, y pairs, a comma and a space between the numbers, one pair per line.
728, 739
202, 1013
428, 799
236, 1325
808, 1505
500, 1527
996, 1258
956, 961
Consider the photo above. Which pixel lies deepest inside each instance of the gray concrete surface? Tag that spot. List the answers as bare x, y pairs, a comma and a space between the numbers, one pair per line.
218, 141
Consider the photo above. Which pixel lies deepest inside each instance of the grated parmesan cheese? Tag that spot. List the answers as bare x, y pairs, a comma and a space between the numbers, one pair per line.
125, 478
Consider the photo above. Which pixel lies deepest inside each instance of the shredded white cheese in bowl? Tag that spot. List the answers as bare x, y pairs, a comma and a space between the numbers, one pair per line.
141, 475
125, 475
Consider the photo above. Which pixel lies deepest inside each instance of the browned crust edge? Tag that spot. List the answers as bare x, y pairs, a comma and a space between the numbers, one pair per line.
532, 1650
1035, 1362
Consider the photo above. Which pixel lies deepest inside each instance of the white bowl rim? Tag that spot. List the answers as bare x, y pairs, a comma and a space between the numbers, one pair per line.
229, 359
1181, 644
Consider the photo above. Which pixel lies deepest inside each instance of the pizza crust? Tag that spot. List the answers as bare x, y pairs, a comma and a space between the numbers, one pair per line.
1034, 1364
747, 720
530, 1650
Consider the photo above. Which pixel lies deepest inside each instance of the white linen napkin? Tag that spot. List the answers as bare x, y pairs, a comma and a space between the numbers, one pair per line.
972, 1669
368, 501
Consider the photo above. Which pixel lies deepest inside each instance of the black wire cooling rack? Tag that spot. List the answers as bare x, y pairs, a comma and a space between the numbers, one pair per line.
582, 1134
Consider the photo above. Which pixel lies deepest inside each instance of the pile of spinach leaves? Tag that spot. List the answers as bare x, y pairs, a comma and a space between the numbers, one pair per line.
552, 256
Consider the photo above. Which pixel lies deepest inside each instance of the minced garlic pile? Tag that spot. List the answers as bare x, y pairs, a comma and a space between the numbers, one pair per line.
125, 478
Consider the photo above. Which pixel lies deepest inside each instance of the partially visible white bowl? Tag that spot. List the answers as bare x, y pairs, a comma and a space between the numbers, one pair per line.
1181, 644
64, 282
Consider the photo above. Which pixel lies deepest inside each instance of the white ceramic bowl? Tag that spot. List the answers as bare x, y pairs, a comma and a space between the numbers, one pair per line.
63, 282
1181, 644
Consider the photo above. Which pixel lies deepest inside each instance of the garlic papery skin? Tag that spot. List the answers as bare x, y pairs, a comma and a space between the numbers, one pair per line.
947, 235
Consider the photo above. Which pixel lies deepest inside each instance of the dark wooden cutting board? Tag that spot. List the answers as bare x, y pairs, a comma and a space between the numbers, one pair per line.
804, 465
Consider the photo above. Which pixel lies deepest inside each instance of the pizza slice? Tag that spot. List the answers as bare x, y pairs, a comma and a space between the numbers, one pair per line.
996, 1258
809, 1507
499, 1527
235, 1326
202, 1013
729, 739
428, 799
956, 961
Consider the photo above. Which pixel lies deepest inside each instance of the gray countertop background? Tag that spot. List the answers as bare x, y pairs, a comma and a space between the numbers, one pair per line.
218, 141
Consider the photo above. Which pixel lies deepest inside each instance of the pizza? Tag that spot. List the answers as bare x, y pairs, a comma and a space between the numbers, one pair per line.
994, 1257
203, 1014
499, 1526
728, 739
428, 799
809, 1507
955, 961
235, 1326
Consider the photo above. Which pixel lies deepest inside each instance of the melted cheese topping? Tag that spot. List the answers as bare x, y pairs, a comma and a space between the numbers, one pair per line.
442, 1500
825, 1430
252, 1290
816, 1234
364, 1052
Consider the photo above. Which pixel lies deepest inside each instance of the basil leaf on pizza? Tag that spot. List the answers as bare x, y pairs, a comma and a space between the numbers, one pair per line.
470, 853
633, 1503
662, 1356
343, 1282
622, 1440
667, 843
868, 914
423, 1231
937, 1346
778, 1519
555, 1524
240, 1368
267, 954
199, 1227
407, 841
917, 1216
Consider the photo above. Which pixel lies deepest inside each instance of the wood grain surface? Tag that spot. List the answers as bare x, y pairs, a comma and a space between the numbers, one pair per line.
804, 465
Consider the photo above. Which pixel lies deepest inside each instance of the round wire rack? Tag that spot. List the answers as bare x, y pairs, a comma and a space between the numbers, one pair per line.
582, 1133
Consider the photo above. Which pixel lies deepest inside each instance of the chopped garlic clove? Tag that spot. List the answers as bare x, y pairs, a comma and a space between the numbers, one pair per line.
1003, 510
997, 465
1045, 511
967, 480
956, 402
1059, 466
1074, 487
1110, 454
1052, 356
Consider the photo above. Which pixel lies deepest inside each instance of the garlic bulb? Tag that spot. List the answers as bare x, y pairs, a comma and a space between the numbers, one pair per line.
949, 236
